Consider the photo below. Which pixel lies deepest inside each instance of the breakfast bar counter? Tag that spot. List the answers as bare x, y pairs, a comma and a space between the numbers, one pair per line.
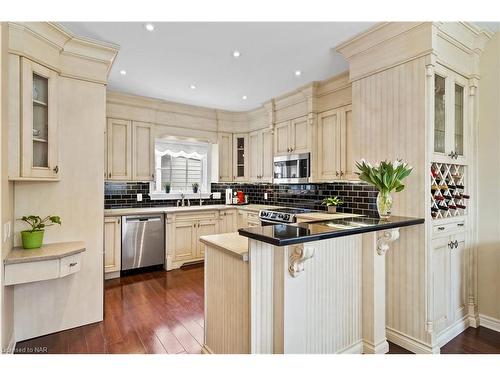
316, 287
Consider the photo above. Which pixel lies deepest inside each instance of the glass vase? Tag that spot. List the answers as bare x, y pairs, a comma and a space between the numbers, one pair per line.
384, 204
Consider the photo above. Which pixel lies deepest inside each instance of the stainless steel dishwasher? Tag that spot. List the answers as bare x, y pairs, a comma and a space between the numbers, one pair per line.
143, 241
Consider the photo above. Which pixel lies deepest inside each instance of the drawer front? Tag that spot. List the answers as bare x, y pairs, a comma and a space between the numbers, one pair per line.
200, 215
253, 216
448, 228
21, 273
70, 265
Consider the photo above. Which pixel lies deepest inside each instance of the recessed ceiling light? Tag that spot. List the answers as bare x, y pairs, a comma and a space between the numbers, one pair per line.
236, 54
123, 72
298, 73
192, 87
244, 97
149, 27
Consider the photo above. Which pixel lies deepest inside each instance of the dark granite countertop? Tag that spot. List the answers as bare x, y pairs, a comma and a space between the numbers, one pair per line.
290, 234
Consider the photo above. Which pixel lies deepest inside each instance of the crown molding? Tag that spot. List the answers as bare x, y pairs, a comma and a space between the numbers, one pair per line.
385, 45
55, 47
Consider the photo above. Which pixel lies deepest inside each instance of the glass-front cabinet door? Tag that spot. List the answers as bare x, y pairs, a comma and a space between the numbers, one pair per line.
39, 153
450, 116
240, 148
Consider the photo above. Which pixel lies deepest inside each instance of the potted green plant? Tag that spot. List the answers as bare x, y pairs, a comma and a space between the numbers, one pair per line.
33, 238
387, 177
195, 187
166, 186
332, 203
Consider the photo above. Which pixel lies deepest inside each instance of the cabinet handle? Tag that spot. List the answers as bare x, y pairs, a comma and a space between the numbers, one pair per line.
291, 149
341, 173
456, 244
109, 175
56, 169
73, 264
460, 224
153, 175
336, 173
440, 228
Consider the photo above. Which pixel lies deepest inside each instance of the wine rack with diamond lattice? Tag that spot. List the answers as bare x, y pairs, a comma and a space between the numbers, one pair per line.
448, 195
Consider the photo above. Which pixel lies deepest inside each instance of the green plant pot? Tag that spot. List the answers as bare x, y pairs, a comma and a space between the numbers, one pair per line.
32, 240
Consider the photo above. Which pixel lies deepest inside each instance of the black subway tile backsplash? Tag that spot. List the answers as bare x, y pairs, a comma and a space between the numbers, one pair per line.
359, 198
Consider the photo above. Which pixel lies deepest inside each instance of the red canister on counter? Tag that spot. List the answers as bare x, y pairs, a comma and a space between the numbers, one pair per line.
241, 197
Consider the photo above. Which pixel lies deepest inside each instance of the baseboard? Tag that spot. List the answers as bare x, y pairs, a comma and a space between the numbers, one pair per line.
409, 343
369, 348
453, 331
206, 350
489, 322
112, 275
356, 348
11, 346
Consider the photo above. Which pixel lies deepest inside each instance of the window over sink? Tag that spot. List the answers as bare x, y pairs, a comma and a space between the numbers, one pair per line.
180, 164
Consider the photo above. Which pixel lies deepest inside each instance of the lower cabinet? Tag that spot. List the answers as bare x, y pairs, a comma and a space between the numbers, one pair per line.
112, 246
248, 219
450, 269
183, 231
228, 221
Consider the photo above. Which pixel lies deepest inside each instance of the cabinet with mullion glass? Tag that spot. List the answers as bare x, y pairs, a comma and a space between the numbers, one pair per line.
39, 140
240, 148
450, 117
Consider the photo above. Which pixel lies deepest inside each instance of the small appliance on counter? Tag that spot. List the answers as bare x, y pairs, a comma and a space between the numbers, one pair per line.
236, 197
229, 196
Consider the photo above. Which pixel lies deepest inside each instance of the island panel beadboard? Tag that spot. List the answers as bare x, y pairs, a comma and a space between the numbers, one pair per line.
290, 234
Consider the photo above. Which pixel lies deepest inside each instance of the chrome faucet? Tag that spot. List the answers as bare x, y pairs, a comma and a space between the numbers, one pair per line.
182, 202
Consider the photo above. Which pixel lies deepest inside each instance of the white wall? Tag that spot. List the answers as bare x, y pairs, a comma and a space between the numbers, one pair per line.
489, 182
79, 199
6, 293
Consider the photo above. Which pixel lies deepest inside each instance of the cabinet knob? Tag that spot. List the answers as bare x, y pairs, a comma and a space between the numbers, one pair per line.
109, 175
56, 169
336, 173
440, 228
153, 175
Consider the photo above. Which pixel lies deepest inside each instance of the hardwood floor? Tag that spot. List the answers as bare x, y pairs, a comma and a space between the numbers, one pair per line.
154, 312
162, 312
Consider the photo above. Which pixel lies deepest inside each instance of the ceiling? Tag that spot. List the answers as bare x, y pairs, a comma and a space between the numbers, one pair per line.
164, 63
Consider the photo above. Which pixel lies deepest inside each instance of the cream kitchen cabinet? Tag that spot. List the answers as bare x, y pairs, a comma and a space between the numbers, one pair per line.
34, 137
119, 150
183, 231
112, 246
228, 221
240, 157
247, 218
260, 150
129, 151
333, 152
225, 141
450, 270
450, 116
292, 136
143, 150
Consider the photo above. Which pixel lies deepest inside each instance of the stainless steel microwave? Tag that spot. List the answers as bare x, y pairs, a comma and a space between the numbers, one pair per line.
292, 169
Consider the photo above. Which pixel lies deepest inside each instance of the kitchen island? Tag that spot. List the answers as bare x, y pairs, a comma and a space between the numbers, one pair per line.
316, 287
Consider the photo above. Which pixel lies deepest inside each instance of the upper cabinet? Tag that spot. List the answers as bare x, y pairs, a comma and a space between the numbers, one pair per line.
129, 151
240, 158
292, 136
143, 149
225, 141
34, 145
260, 149
333, 145
119, 150
450, 116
